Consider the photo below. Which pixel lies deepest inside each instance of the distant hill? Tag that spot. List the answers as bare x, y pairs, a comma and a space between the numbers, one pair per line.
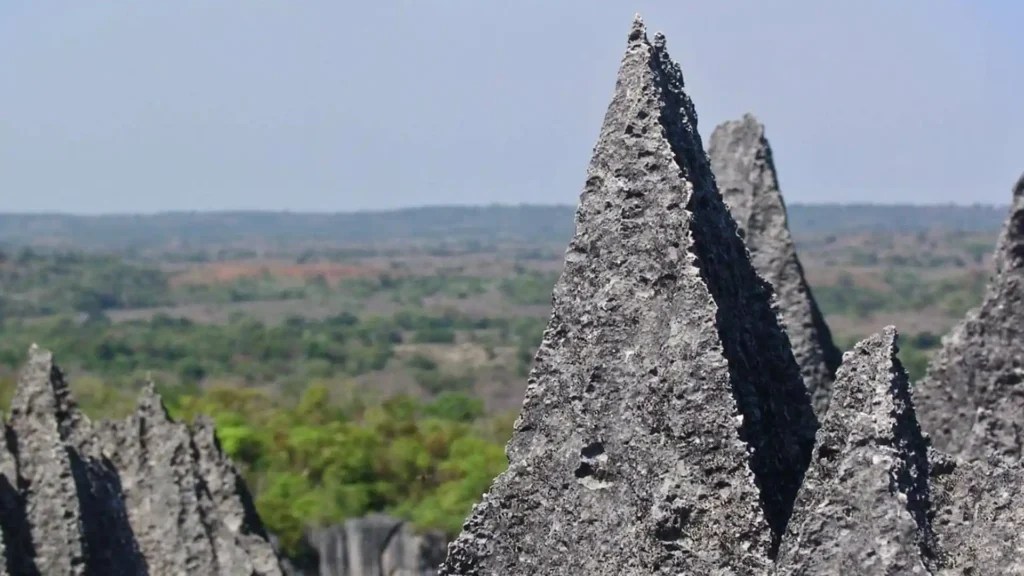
485, 225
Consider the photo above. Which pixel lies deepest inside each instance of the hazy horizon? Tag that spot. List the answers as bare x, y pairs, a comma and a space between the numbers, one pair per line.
411, 208
124, 108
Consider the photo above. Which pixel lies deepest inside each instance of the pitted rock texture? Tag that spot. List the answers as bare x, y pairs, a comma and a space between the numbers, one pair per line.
865, 504
666, 427
878, 499
741, 159
142, 497
978, 520
972, 398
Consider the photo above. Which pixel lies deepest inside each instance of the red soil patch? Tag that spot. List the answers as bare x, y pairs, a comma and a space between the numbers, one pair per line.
222, 272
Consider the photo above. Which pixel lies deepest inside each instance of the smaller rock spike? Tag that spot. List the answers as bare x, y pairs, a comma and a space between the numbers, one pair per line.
741, 159
864, 507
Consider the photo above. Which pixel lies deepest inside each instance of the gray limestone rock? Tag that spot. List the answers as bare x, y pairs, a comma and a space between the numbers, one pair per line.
144, 496
865, 504
741, 159
878, 499
978, 520
972, 398
666, 427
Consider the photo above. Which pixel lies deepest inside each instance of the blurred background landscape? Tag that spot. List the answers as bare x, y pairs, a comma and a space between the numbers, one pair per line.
376, 361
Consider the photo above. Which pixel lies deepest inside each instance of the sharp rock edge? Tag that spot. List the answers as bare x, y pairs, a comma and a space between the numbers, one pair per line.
972, 397
666, 427
878, 499
864, 507
145, 496
741, 159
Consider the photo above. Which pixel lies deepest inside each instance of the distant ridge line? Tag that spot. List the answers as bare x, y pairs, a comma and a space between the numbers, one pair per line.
471, 207
484, 225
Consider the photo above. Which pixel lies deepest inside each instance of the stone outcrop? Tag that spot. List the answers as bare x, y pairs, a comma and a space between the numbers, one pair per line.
666, 427
878, 499
146, 496
377, 544
741, 159
864, 505
972, 398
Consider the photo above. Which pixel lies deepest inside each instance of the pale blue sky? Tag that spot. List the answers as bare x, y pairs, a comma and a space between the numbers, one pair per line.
334, 105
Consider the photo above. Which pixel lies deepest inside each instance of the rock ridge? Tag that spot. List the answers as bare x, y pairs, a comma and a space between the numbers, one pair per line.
972, 396
139, 497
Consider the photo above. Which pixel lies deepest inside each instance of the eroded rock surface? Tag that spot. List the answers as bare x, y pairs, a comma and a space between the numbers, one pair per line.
978, 519
878, 499
666, 427
144, 496
865, 503
972, 399
741, 159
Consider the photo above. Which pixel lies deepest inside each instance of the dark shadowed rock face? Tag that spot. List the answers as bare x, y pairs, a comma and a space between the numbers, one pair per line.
972, 399
145, 496
742, 162
865, 503
665, 428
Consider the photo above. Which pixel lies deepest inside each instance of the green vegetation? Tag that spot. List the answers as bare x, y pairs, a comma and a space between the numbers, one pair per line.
36, 284
319, 463
904, 291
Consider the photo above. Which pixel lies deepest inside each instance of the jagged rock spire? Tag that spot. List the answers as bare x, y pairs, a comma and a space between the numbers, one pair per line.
141, 497
47, 512
666, 427
741, 159
878, 499
972, 398
865, 504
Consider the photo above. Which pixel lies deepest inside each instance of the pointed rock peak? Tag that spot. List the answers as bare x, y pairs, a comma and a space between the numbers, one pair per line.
746, 131
637, 32
665, 427
1010, 249
868, 482
204, 428
869, 377
43, 390
741, 159
150, 405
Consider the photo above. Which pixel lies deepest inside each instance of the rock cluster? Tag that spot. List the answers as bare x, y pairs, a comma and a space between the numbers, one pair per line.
147, 496
741, 159
972, 398
668, 424
878, 499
